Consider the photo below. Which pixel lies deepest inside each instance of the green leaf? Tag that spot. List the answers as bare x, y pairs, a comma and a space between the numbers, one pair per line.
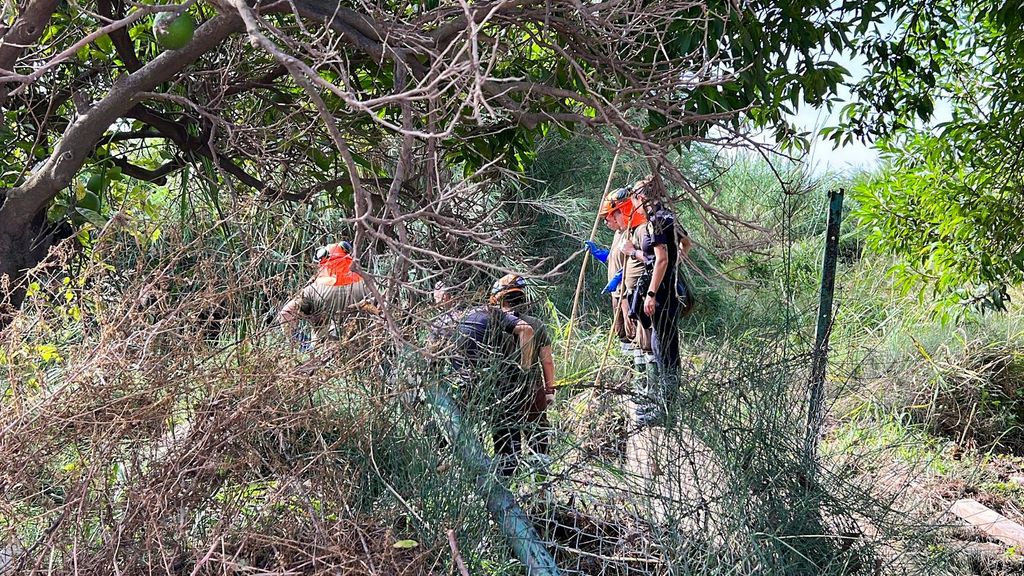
405, 544
105, 44
92, 217
1018, 260
47, 352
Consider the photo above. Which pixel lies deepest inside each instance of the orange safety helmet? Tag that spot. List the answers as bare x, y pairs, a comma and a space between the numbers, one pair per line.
507, 284
620, 200
334, 264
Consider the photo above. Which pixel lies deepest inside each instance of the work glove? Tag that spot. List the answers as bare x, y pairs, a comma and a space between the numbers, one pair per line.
549, 398
613, 284
303, 340
597, 251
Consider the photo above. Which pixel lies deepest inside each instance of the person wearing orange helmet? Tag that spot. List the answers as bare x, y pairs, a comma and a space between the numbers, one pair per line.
609, 211
509, 293
330, 297
629, 223
661, 302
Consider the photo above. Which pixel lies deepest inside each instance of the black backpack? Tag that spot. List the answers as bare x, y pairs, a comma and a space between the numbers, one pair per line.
684, 288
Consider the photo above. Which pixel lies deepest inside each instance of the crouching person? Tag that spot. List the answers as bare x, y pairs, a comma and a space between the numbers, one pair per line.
493, 351
509, 293
328, 301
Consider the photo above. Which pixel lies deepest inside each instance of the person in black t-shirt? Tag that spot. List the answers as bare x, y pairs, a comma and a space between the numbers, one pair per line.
661, 304
509, 292
484, 337
492, 353
630, 226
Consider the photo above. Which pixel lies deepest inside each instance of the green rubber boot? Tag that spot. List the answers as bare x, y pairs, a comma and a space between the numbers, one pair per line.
650, 408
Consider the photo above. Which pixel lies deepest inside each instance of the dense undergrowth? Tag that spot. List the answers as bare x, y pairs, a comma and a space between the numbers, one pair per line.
153, 420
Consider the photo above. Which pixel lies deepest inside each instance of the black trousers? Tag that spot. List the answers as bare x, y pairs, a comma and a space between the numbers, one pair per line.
665, 345
507, 421
502, 398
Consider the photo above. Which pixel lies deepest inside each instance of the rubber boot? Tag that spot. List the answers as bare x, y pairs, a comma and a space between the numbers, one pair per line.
639, 376
669, 388
651, 407
654, 380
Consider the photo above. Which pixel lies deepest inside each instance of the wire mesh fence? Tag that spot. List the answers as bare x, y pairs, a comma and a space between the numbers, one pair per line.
156, 420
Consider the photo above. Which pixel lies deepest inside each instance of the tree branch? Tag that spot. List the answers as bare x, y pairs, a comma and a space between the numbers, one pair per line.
81, 136
25, 31
25, 80
133, 135
171, 129
157, 176
122, 42
361, 31
177, 133
264, 81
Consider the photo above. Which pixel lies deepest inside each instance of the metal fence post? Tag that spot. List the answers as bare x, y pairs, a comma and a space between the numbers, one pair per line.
502, 505
819, 361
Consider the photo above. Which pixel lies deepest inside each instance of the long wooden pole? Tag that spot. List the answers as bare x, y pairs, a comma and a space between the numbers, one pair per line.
583, 268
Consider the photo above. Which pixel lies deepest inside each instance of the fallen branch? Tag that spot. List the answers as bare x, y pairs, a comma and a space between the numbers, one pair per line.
455, 553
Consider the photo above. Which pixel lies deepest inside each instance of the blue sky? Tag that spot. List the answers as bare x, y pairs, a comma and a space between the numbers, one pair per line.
822, 157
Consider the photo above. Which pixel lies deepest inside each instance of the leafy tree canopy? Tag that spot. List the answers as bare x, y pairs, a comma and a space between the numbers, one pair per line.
948, 201
381, 109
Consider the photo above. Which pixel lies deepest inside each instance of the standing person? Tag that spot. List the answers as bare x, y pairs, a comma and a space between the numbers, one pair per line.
486, 339
629, 222
329, 298
660, 303
509, 292
616, 260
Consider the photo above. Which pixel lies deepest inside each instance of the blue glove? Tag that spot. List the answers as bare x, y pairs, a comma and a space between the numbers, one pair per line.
597, 251
303, 339
614, 283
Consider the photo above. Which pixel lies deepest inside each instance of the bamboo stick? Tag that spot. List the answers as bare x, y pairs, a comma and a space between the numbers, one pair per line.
583, 268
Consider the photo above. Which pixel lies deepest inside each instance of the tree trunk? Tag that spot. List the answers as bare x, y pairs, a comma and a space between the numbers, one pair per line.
21, 248
22, 209
30, 25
